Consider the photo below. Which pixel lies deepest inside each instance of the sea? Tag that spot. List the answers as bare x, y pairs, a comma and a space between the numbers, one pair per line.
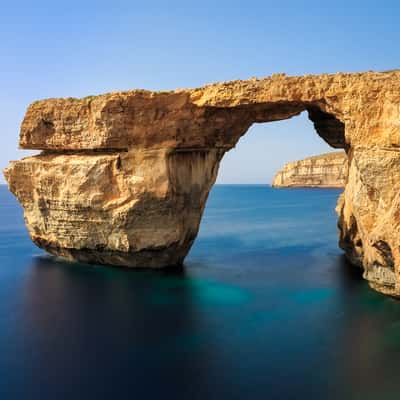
265, 307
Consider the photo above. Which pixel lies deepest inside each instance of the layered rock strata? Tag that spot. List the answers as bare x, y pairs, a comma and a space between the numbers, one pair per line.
123, 177
327, 170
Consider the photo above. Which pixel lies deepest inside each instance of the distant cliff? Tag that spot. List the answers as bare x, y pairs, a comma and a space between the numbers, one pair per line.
325, 170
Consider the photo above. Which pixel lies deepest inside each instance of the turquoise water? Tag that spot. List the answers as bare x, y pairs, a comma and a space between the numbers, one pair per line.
265, 308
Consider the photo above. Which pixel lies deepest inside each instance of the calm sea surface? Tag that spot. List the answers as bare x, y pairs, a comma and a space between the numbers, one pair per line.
266, 308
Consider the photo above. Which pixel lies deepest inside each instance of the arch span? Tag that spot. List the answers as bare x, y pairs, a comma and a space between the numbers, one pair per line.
123, 177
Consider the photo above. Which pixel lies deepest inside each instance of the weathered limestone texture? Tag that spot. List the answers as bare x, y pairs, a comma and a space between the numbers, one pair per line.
123, 177
327, 170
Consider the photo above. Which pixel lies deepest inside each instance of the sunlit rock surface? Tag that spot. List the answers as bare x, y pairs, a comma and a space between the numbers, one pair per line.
327, 170
123, 177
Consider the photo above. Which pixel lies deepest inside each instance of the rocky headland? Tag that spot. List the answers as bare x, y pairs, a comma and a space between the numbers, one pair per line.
327, 170
123, 177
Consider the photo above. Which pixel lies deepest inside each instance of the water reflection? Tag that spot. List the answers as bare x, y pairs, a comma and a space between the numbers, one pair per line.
184, 329
368, 340
142, 325
272, 313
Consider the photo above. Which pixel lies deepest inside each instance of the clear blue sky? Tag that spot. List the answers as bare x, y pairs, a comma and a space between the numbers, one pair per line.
79, 48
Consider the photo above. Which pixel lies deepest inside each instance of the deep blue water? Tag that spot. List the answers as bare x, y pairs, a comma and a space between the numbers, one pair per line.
266, 308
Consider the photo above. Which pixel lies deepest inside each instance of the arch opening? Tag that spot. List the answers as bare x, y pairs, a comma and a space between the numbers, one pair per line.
290, 137
238, 222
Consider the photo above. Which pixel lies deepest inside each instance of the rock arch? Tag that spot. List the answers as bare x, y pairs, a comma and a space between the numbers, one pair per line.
123, 178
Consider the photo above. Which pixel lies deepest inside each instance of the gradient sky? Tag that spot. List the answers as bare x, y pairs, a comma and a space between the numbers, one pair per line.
79, 48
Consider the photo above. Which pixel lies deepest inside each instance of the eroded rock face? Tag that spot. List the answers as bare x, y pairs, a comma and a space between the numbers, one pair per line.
123, 177
327, 170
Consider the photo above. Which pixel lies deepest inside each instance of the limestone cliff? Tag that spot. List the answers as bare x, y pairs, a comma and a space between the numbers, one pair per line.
327, 170
123, 177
